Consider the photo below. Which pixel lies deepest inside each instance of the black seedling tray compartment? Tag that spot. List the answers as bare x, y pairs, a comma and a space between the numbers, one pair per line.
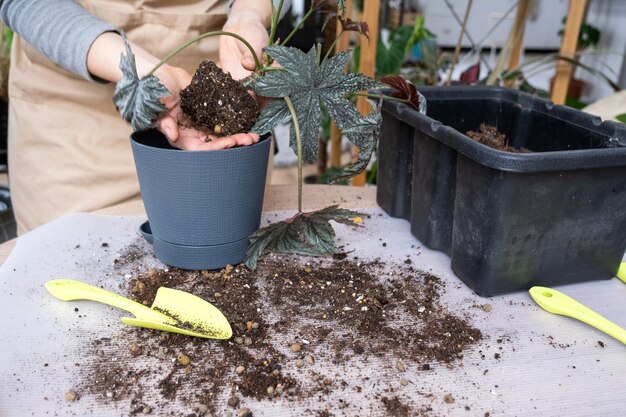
507, 220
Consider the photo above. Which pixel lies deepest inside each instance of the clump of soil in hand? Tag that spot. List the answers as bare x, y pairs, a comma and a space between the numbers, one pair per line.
490, 136
216, 104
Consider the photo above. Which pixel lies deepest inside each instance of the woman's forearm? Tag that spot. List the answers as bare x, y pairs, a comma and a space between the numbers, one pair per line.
60, 29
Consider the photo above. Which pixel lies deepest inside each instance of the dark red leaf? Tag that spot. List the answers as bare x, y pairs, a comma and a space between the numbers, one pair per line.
470, 75
403, 89
352, 26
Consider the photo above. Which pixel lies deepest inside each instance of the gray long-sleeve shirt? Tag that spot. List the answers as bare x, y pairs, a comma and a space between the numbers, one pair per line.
61, 29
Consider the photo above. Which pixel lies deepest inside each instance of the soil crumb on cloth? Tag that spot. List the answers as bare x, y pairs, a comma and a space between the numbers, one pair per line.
326, 337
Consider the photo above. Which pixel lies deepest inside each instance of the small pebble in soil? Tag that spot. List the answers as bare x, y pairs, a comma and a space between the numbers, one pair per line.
71, 395
134, 350
247, 341
296, 347
202, 409
448, 398
239, 340
270, 390
255, 325
100, 352
327, 381
240, 369
233, 401
244, 412
404, 382
147, 410
400, 367
426, 367
184, 360
308, 359
487, 308
299, 363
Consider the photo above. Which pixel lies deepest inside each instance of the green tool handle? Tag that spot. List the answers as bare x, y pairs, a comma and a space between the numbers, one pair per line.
558, 303
70, 289
621, 272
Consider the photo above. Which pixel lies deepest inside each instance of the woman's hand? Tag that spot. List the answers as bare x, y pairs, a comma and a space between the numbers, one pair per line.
103, 62
248, 19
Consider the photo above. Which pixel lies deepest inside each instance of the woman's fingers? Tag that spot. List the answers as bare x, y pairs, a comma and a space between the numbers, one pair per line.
193, 140
168, 126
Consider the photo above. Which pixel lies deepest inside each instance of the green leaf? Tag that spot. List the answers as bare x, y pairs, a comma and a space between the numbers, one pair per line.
311, 86
138, 100
390, 58
621, 117
341, 6
305, 234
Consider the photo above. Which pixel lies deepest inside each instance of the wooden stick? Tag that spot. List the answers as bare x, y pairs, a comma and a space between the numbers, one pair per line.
457, 49
371, 12
335, 133
564, 70
520, 23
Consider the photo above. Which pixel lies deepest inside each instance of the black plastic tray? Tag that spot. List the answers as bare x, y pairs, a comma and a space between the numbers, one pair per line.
508, 221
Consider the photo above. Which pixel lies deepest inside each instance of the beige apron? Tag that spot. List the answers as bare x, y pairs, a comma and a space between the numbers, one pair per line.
69, 149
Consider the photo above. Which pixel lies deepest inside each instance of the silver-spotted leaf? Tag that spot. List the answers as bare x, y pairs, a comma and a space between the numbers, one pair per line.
310, 86
360, 134
138, 100
304, 234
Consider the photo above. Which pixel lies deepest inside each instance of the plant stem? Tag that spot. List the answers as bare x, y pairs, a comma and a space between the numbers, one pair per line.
332, 46
275, 17
296, 125
295, 29
176, 51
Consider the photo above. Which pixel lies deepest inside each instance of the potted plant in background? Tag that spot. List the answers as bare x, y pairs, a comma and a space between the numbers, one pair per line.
208, 234
8, 227
6, 38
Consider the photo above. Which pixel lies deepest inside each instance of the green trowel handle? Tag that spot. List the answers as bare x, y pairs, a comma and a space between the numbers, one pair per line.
621, 272
69, 289
558, 303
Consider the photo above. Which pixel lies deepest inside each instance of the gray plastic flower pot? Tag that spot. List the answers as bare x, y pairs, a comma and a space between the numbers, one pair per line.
202, 205
508, 221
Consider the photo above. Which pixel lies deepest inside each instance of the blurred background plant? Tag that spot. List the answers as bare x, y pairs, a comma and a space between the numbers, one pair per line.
6, 38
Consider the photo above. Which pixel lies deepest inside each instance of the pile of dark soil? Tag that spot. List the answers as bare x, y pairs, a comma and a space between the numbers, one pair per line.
216, 104
307, 333
490, 136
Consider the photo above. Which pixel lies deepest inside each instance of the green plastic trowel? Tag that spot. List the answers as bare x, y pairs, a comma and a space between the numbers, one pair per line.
556, 302
172, 310
621, 272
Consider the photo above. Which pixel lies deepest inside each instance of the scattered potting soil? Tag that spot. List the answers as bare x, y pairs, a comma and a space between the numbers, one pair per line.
490, 136
216, 104
307, 333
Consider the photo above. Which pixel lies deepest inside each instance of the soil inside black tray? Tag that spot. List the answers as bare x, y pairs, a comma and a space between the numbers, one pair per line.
305, 331
216, 104
490, 136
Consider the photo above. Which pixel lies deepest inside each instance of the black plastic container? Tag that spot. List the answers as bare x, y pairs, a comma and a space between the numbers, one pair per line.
508, 221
